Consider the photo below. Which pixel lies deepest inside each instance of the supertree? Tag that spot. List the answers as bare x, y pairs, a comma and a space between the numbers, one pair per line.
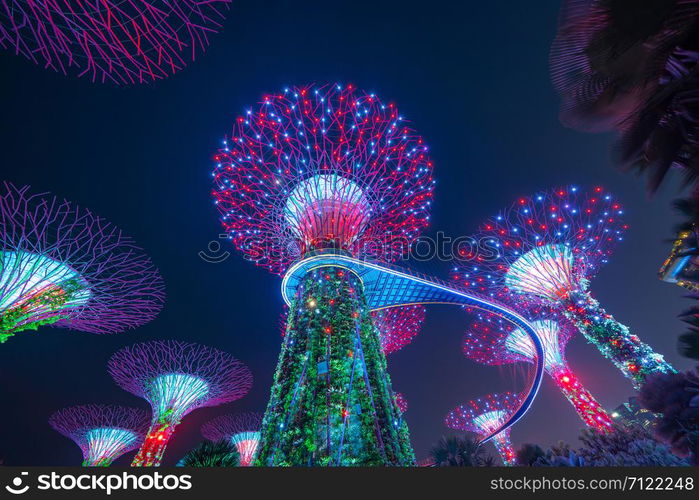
176, 378
313, 169
398, 326
61, 265
120, 41
491, 340
484, 416
543, 250
241, 430
103, 432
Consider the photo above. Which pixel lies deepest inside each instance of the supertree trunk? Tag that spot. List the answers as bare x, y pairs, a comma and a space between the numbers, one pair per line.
504, 447
585, 405
332, 402
151, 452
635, 359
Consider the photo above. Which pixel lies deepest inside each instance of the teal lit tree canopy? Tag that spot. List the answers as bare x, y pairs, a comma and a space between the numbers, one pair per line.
176, 378
61, 265
242, 430
103, 432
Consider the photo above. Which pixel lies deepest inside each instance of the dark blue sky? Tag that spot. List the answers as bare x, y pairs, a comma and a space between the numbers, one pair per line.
473, 81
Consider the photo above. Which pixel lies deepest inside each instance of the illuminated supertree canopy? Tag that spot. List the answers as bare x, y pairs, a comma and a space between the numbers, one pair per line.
326, 168
242, 430
176, 378
483, 417
398, 326
119, 41
63, 266
103, 432
543, 250
312, 167
493, 341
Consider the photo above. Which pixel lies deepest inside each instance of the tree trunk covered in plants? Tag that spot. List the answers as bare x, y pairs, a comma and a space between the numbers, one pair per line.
332, 403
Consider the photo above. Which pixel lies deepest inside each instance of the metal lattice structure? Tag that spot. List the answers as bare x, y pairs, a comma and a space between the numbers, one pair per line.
61, 265
546, 245
117, 41
176, 378
319, 166
486, 416
103, 432
398, 326
242, 430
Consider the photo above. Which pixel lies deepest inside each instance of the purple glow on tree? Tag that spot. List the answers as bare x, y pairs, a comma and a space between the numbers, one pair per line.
61, 265
483, 417
103, 432
398, 326
546, 249
401, 402
119, 41
313, 167
242, 430
176, 378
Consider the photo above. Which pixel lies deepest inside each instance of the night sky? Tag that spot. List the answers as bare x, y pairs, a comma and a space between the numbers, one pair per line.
473, 81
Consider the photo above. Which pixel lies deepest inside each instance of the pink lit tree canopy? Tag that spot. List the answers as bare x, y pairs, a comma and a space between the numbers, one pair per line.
119, 41
242, 430
491, 340
545, 249
61, 265
483, 417
102, 432
176, 378
401, 402
315, 166
398, 326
